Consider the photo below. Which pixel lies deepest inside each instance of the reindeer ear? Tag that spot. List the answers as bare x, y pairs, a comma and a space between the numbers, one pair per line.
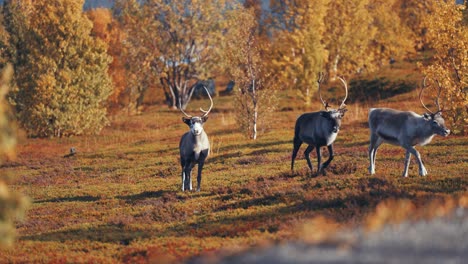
204, 118
427, 116
186, 120
343, 111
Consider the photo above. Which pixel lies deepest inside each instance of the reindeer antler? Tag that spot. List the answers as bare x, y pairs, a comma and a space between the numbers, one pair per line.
437, 98
420, 95
211, 100
320, 79
342, 105
182, 110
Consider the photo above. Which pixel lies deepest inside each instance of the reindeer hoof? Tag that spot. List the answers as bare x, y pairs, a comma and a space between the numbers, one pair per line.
423, 172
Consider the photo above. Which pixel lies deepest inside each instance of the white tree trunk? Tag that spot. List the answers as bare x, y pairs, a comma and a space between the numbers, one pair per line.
254, 127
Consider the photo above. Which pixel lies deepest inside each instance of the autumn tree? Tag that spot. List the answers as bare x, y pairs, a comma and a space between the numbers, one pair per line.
106, 28
349, 31
136, 53
175, 42
298, 28
255, 87
12, 204
393, 39
447, 35
60, 69
412, 14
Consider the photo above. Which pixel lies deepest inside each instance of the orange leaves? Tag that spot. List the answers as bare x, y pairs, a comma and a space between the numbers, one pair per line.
448, 36
111, 32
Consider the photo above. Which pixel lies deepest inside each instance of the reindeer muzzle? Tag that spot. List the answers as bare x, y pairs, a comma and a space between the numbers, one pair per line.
446, 132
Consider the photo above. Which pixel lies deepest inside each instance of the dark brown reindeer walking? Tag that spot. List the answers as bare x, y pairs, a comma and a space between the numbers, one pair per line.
318, 129
406, 129
194, 146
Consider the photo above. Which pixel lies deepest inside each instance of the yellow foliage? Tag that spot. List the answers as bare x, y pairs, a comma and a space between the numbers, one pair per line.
12, 204
301, 54
448, 37
110, 31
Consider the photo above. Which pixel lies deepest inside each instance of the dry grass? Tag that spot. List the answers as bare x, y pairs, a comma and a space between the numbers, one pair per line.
118, 199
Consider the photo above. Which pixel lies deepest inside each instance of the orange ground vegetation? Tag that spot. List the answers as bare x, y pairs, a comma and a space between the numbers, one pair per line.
119, 200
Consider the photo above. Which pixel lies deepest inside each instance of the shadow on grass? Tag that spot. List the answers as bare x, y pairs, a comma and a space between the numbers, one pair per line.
256, 145
163, 195
263, 201
104, 233
363, 90
145, 195
85, 198
273, 219
445, 185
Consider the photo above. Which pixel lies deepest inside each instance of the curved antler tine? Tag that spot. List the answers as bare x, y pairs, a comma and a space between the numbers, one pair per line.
346, 91
438, 96
420, 95
211, 100
319, 81
180, 108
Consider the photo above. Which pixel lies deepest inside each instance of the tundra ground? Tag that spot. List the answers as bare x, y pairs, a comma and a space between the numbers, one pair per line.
119, 200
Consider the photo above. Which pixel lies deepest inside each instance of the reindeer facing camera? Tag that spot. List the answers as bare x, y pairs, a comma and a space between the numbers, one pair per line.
194, 146
318, 129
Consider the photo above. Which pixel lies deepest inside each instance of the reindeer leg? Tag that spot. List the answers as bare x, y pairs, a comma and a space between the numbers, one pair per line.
319, 160
407, 162
306, 154
200, 168
377, 145
330, 158
188, 176
296, 145
372, 151
422, 169
183, 179
183, 174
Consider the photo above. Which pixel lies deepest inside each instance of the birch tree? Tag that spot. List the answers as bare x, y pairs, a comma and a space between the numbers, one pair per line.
255, 87
175, 42
447, 35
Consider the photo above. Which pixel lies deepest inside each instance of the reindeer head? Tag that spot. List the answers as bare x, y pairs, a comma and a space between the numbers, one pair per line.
196, 122
333, 116
437, 122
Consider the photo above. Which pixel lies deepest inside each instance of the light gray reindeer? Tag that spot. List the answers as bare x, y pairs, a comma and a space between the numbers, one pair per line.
318, 129
406, 129
194, 146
